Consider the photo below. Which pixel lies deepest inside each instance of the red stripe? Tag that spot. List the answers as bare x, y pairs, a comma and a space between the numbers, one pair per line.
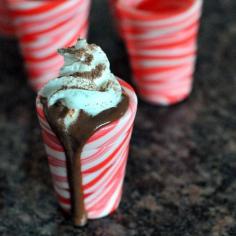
95, 180
116, 204
41, 114
166, 57
53, 146
87, 194
49, 30
63, 200
107, 160
47, 6
60, 178
103, 131
142, 30
149, 71
52, 138
141, 81
56, 162
124, 12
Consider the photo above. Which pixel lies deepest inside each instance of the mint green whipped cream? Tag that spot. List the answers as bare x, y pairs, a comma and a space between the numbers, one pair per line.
85, 82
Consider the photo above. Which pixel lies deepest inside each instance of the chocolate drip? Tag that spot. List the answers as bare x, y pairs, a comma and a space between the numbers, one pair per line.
73, 139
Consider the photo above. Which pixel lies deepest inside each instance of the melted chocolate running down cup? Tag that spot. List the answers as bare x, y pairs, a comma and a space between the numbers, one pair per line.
74, 136
73, 140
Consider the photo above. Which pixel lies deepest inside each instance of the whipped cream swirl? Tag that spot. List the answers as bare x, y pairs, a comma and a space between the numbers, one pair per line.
85, 82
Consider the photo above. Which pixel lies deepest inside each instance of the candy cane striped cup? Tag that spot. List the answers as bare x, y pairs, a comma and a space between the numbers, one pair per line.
103, 161
161, 40
6, 27
44, 26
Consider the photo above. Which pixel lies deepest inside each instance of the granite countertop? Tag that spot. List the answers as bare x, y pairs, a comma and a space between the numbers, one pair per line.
182, 166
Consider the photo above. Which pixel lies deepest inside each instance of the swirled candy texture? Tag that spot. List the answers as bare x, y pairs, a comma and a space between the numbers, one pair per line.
161, 40
103, 161
44, 26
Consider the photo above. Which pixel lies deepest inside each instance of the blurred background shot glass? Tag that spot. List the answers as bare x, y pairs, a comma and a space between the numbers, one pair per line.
44, 26
161, 39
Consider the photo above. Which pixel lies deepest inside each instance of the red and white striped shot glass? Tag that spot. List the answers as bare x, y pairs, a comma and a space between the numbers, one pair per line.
44, 26
6, 26
103, 161
161, 38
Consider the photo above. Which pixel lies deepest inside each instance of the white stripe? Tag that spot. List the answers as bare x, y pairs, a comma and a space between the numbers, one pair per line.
65, 206
59, 171
55, 154
175, 51
163, 62
62, 192
25, 6
158, 99
167, 40
61, 184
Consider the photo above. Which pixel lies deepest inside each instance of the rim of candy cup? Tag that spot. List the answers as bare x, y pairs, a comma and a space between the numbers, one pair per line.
124, 8
133, 100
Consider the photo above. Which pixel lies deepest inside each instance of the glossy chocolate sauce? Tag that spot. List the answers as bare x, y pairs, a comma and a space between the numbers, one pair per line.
73, 139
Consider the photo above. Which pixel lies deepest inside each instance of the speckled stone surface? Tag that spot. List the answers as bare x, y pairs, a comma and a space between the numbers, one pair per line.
181, 175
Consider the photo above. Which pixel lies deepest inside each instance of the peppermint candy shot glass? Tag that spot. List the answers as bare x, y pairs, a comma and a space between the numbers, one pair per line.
103, 161
161, 39
44, 26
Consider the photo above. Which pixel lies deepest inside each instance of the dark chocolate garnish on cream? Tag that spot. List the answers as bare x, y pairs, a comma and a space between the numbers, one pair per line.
93, 74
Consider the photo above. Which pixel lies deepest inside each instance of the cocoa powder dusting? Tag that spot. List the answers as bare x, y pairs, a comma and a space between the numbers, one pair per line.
78, 54
93, 74
69, 50
88, 58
